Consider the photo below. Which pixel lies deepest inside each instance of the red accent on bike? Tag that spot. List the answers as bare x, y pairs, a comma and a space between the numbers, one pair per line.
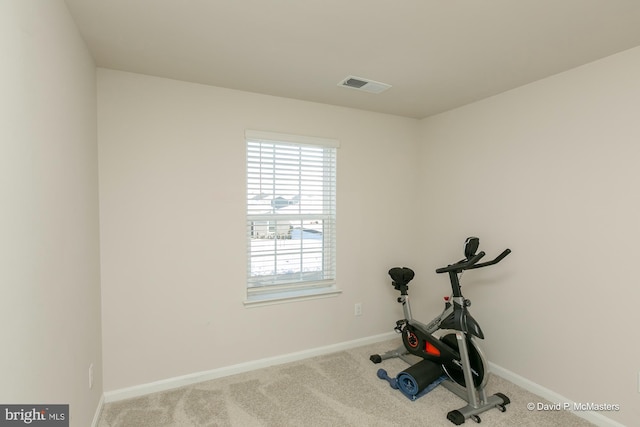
446, 299
431, 349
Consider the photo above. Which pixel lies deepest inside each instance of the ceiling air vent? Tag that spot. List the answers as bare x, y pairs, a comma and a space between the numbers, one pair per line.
365, 85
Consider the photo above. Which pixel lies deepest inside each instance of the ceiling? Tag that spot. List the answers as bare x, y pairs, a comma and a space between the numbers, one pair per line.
436, 54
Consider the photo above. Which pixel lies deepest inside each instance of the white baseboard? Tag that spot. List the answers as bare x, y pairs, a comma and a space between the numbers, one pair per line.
185, 380
591, 416
96, 416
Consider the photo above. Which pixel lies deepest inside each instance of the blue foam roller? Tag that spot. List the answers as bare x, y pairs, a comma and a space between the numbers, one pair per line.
419, 379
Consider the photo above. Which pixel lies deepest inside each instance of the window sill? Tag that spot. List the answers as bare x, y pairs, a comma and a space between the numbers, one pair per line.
290, 296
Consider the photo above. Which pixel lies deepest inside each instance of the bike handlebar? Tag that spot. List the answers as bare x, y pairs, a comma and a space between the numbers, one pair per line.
462, 265
495, 261
470, 264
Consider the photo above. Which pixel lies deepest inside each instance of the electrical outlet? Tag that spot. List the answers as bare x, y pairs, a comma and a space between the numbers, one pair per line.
90, 376
358, 309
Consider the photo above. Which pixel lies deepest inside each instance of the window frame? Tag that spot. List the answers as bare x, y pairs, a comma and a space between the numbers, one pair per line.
310, 288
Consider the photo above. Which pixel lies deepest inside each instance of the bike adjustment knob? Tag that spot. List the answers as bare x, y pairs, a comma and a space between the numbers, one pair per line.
467, 303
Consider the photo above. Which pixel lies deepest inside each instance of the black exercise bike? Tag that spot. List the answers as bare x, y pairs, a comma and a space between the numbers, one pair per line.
456, 353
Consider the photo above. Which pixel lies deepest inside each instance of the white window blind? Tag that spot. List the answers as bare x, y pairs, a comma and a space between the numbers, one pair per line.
291, 215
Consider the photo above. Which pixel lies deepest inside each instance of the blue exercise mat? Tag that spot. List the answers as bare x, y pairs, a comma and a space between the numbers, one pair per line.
410, 388
417, 380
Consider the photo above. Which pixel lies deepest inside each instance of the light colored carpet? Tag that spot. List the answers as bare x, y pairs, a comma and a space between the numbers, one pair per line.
339, 389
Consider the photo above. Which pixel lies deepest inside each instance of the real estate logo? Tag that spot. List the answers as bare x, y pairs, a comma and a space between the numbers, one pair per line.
34, 415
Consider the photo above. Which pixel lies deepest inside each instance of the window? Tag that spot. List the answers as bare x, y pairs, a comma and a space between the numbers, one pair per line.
291, 216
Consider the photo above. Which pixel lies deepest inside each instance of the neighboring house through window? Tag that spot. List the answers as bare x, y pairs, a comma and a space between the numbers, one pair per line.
291, 216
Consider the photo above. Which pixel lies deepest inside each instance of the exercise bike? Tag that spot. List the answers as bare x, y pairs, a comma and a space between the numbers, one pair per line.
456, 352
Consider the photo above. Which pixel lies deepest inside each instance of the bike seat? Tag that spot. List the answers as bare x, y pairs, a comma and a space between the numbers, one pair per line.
401, 275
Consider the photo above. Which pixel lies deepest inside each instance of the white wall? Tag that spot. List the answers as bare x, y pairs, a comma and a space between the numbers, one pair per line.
172, 209
49, 259
551, 171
